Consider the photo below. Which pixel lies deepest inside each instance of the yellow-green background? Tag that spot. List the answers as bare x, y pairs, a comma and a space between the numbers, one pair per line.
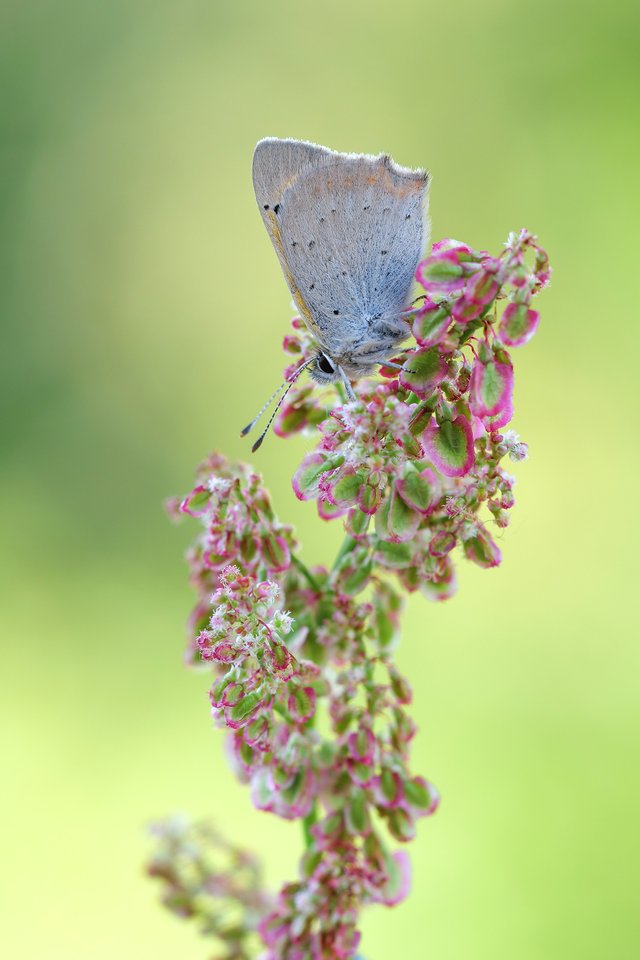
142, 311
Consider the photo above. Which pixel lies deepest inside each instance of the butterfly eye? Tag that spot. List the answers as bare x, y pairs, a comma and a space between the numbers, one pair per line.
325, 365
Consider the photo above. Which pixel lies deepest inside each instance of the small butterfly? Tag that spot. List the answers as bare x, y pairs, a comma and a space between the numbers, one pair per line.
349, 230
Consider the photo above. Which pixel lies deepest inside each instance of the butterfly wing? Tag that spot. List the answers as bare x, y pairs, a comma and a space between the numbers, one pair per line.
276, 165
349, 230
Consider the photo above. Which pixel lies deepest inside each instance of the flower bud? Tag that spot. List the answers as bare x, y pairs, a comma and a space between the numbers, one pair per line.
483, 287
357, 523
400, 686
442, 543
362, 745
518, 324
423, 371
345, 488
421, 796
464, 309
431, 323
275, 553
356, 814
482, 549
388, 789
396, 520
491, 388
302, 703
401, 824
449, 446
419, 490
398, 882
197, 502
239, 713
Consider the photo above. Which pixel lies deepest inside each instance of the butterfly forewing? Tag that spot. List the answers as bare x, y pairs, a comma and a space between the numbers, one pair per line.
276, 165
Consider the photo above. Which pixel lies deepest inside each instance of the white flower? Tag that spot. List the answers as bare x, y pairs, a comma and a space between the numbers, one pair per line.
283, 622
217, 621
218, 485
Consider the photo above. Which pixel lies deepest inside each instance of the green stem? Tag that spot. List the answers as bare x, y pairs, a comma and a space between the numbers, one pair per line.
306, 573
347, 546
307, 824
312, 816
284, 713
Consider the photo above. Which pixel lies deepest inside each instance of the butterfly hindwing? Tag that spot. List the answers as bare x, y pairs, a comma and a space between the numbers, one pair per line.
348, 229
353, 230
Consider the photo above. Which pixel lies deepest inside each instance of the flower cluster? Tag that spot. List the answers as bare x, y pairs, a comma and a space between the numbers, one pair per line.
304, 680
239, 528
422, 452
245, 639
317, 916
208, 880
363, 770
267, 693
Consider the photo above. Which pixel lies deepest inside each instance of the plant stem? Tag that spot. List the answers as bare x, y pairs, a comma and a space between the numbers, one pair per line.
347, 546
306, 573
284, 713
312, 816
307, 824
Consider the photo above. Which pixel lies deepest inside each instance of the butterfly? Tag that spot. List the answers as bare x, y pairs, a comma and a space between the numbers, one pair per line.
349, 230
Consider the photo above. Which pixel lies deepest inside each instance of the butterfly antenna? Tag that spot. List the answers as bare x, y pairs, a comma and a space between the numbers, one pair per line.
290, 383
258, 442
249, 427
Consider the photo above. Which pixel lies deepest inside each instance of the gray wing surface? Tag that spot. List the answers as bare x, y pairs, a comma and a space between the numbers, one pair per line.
276, 164
349, 230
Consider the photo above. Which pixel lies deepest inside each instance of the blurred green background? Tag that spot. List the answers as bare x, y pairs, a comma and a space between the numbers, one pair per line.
142, 311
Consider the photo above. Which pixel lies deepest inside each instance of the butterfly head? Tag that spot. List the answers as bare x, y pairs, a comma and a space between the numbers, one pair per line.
323, 369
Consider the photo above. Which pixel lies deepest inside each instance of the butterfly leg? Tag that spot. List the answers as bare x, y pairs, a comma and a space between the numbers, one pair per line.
350, 394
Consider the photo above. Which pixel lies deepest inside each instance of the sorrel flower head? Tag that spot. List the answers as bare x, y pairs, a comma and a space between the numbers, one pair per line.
407, 449
239, 527
245, 638
304, 680
208, 880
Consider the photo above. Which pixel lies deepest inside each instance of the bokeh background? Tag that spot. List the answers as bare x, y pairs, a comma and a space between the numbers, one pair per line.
142, 311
